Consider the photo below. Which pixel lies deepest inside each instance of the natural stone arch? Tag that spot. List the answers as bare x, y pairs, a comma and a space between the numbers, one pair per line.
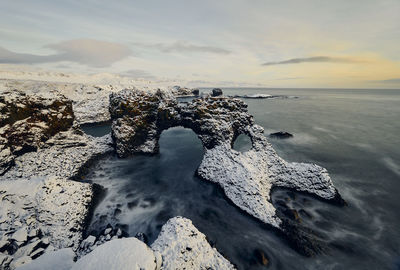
246, 178
140, 117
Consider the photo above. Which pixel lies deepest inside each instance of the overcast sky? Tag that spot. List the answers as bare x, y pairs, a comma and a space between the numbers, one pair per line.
317, 43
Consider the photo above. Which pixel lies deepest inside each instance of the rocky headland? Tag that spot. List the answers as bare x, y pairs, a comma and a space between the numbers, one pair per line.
45, 208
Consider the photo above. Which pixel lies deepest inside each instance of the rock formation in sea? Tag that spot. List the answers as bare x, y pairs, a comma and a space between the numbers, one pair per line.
216, 92
43, 211
246, 178
281, 135
43, 150
179, 91
182, 246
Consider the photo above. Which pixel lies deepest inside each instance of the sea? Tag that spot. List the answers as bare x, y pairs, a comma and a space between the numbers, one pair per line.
353, 133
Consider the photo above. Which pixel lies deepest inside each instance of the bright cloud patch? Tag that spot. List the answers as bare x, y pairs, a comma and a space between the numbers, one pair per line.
315, 59
88, 52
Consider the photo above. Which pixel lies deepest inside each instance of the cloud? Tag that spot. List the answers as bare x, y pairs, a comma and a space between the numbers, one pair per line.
315, 59
289, 78
88, 52
395, 80
184, 47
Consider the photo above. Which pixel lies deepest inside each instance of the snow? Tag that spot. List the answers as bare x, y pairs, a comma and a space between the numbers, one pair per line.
65, 155
247, 178
42, 211
182, 246
119, 254
62, 259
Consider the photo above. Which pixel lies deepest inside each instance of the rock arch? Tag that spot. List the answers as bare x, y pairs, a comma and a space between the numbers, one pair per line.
246, 178
140, 117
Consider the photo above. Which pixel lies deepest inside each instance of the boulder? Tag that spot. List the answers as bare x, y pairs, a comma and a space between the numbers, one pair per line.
182, 246
126, 253
196, 92
281, 135
216, 92
59, 209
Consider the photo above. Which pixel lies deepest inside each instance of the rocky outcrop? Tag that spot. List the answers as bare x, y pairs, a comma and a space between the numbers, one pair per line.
246, 178
281, 135
140, 117
216, 92
41, 208
41, 214
184, 92
182, 246
66, 155
91, 242
27, 121
179, 246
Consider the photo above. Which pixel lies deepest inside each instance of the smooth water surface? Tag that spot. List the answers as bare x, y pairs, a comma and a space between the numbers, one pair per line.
353, 133
97, 130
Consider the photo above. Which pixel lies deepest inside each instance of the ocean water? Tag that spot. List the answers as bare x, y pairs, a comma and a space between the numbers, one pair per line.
355, 134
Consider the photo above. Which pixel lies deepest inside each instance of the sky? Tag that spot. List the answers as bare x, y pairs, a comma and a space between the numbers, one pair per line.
313, 43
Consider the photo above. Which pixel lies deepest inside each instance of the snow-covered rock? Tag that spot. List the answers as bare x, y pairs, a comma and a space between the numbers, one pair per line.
62, 259
252, 175
183, 91
140, 117
182, 246
66, 155
26, 121
119, 254
89, 94
40, 212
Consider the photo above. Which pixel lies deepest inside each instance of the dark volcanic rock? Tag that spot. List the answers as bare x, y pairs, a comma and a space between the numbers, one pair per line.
196, 92
281, 135
216, 92
140, 117
27, 121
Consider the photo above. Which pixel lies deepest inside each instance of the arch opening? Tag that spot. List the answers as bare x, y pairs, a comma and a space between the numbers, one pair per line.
242, 143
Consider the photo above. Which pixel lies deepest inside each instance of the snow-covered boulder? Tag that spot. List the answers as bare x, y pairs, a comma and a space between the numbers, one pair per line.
62, 259
119, 254
182, 246
40, 213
